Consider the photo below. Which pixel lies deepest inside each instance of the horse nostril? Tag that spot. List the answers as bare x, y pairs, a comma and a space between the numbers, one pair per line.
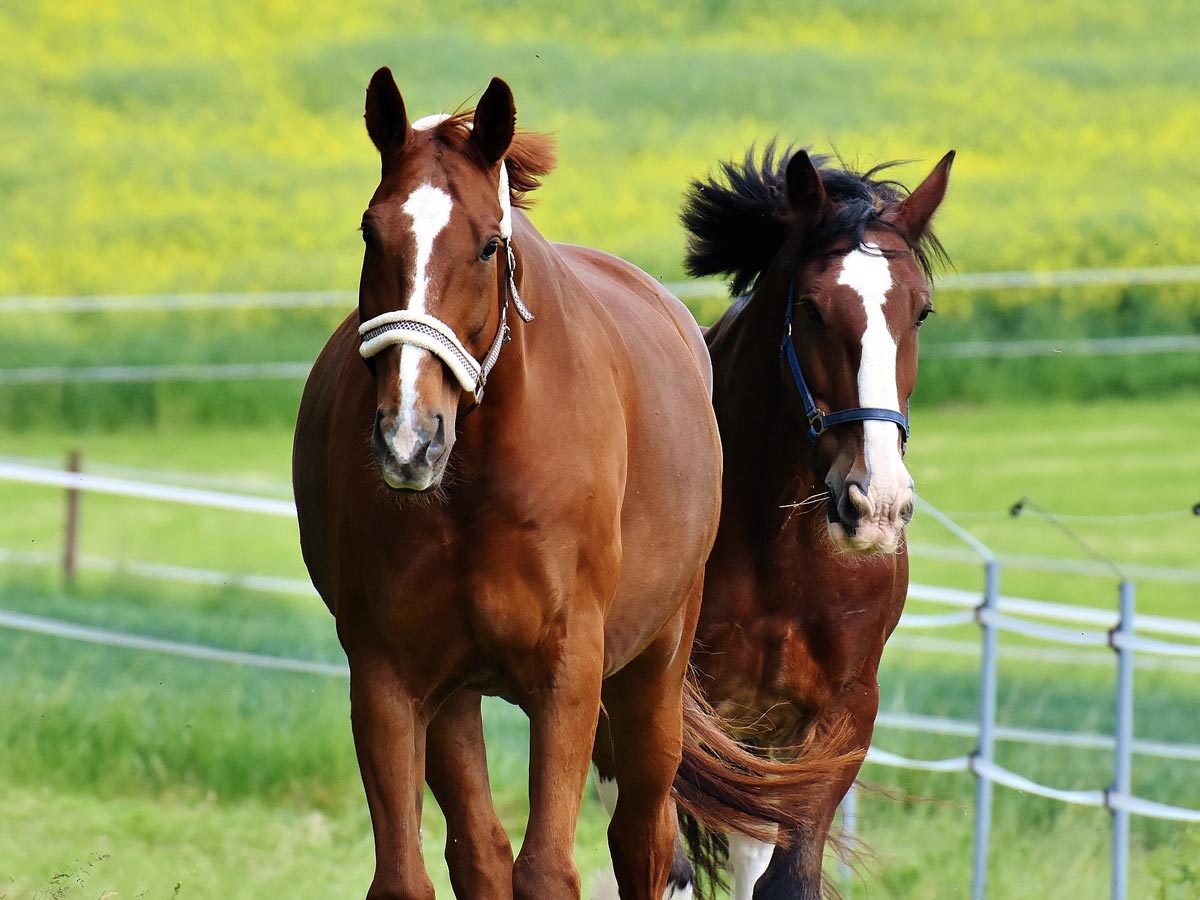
906, 511
378, 444
437, 445
858, 499
849, 508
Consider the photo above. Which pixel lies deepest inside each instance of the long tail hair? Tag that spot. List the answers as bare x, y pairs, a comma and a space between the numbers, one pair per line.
722, 786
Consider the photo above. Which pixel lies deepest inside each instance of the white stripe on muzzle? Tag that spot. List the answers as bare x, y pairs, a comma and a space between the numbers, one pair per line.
867, 271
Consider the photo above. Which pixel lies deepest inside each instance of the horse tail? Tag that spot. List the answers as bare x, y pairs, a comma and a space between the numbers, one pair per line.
722, 786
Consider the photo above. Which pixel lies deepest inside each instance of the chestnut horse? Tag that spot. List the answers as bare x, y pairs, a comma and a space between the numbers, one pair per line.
813, 368
544, 542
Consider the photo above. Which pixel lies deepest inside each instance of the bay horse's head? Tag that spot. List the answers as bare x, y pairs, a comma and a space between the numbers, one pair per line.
839, 263
439, 270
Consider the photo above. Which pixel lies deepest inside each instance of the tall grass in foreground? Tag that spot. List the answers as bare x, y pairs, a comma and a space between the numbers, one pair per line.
139, 773
142, 771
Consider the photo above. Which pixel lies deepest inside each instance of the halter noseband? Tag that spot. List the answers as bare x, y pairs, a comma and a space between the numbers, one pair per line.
818, 421
432, 334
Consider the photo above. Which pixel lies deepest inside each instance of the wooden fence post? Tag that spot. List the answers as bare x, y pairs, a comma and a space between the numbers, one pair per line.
70, 550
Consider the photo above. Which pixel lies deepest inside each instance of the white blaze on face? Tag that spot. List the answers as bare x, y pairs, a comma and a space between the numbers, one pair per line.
429, 209
868, 272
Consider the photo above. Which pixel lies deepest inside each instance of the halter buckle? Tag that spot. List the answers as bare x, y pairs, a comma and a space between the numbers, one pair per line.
816, 422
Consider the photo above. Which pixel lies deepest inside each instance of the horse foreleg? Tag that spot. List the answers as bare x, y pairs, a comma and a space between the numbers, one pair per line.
389, 738
682, 880
478, 852
794, 872
645, 705
636, 759
563, 712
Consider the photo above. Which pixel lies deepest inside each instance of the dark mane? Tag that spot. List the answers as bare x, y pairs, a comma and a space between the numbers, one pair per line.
529, 156
738, 219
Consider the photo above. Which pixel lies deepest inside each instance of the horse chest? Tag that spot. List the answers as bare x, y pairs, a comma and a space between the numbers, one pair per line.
786, 635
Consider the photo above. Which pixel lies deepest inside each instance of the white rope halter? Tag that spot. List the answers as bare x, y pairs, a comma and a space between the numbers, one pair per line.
432, 334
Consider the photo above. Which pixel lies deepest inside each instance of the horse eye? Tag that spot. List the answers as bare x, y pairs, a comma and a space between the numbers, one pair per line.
369, 237
489, 249
924, 315
811, 313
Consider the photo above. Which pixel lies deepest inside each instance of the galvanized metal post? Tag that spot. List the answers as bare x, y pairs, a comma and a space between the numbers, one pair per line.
987, 726
849, 834
1123, 756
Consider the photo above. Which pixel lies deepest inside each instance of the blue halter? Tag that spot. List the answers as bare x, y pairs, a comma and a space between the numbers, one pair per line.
818, 421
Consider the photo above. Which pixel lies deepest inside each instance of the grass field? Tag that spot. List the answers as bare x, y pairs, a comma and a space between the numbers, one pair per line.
134, 772
971, 461
220, 146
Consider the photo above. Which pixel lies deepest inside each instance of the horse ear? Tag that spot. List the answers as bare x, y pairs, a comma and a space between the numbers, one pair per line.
806, 191
495, 121
387, 122
913, 214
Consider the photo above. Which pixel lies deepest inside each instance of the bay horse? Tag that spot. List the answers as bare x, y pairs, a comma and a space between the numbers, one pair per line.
543, 542
814, 364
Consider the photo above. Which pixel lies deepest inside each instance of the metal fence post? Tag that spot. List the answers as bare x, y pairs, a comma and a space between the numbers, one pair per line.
1123, 755
987, 693
987, 726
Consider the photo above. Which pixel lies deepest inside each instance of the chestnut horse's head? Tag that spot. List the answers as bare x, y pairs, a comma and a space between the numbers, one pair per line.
439, 267
849, 263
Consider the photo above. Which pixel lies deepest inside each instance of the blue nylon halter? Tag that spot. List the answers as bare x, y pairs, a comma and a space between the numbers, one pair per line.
819, 422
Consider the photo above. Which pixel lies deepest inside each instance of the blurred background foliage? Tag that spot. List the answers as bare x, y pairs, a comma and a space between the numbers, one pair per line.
219, 146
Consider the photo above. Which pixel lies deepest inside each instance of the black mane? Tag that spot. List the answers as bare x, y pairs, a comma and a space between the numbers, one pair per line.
739, 219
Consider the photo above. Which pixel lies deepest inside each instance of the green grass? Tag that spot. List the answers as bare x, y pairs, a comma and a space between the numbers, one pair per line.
160, 771
1105, 458
164, 771
220, 147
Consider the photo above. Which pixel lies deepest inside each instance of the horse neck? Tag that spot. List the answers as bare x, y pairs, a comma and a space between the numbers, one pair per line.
767, 453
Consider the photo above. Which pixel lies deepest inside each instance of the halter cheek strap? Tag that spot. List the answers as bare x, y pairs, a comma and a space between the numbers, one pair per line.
432, 334
818, 421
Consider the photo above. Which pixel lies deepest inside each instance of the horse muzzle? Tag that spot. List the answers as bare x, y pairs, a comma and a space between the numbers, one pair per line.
411, 455
865, 521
